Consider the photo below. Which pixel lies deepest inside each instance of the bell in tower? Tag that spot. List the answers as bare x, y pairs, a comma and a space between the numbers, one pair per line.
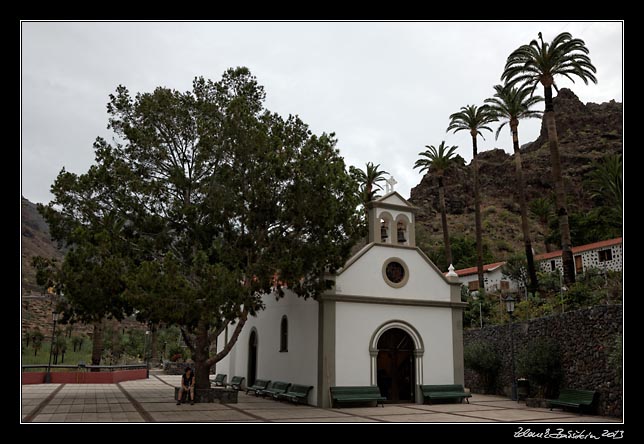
401, 233
383, 231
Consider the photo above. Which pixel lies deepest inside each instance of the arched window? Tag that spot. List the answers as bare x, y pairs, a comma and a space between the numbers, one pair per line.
284, 334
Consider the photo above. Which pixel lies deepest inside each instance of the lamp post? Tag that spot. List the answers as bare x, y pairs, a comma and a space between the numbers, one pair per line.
54, 316
509, 307
561, 291
147, 354
475, 296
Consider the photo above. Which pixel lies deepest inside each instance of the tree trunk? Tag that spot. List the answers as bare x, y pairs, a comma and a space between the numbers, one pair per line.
477, 216
561, 210
97, 343
441, 200
200, 356
532, 274
154, 355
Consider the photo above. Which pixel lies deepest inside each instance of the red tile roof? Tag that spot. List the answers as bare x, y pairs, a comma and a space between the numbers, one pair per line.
593, 246
473, 270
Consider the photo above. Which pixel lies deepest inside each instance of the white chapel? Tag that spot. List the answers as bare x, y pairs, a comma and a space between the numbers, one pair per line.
392, 320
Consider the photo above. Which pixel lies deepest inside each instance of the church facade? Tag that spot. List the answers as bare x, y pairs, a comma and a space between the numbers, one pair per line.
392, 319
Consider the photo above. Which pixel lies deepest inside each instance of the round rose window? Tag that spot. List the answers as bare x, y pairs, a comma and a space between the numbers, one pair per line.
395, 272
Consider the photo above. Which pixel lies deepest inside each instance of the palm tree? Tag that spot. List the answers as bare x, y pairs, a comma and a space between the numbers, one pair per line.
605, 180
437, 161
513, 104
541, 208
368, 180
474, 119
540, 62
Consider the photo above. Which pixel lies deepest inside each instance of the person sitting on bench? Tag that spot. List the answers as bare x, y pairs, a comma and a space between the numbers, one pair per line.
187, 384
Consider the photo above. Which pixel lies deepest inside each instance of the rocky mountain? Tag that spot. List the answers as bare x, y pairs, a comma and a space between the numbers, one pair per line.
586, 133
35, 241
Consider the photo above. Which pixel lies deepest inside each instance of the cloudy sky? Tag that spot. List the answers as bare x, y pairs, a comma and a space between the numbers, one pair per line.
386, 89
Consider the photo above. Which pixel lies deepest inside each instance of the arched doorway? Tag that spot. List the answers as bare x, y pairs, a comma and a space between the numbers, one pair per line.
252, 358
395, 365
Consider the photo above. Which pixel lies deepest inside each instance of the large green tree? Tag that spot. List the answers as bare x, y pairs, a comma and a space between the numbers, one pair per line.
83, 217
437, 161
512, 104
229, 203
474, 119
539, 63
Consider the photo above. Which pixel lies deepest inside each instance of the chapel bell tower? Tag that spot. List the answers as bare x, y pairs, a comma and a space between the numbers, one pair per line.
391, 219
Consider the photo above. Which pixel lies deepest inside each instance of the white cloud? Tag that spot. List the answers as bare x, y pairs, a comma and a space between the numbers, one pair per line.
385, 89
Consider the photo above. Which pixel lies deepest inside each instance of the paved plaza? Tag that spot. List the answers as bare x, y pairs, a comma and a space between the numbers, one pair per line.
151, 400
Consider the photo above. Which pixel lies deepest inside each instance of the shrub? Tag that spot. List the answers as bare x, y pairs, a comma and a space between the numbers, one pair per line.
540, 363
483, 359
36, 340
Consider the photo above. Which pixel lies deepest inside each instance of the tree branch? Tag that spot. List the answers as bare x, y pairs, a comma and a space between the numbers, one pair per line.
233, 339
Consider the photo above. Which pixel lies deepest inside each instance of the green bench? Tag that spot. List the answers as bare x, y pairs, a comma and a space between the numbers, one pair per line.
353, 394
275, 389
260, 384
296, 393
220, 380
573, 398
236, 382
445, 391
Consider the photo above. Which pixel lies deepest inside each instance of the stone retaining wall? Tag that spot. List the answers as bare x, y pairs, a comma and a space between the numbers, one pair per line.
585, 337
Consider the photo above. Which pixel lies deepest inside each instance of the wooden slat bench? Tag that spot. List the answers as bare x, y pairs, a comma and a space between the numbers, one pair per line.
445, 391
236, 382
353, 394
260, 384
219, 380
296, 393
276, 388
580, 399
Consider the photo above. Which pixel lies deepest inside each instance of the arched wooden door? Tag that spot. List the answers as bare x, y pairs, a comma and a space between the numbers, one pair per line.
396, 366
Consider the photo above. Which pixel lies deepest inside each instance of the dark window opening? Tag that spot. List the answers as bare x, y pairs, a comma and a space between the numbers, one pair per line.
284, 334
605, 255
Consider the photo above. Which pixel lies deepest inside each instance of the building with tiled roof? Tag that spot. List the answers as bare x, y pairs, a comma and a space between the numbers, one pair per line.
604, 255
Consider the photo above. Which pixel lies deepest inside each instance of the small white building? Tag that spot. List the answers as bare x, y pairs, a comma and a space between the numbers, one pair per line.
492, 276
604, 255
391, 320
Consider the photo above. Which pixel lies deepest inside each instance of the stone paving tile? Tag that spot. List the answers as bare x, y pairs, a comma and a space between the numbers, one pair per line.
501, 403
73, 417
107, 403
448, 408
428, 417
227, 415
327, 419
310, 412
371, 411
583, 418
277, 405
512, 415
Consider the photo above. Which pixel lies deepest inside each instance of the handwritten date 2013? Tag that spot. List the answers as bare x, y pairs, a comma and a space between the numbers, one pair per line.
561, 433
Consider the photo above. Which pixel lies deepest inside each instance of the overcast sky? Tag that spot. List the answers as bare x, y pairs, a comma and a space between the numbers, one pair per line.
385, 89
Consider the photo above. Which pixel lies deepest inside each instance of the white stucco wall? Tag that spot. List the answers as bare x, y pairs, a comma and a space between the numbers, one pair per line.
393, 199
356, 324
299, 364
364, 277
492, 280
